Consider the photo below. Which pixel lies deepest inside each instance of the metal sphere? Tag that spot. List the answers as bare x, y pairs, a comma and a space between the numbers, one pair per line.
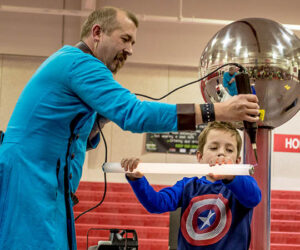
270, 53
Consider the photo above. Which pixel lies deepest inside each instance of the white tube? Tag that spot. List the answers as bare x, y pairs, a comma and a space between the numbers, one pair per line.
183, 168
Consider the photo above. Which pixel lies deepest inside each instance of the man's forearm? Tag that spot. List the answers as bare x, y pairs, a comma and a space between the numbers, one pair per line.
236, 108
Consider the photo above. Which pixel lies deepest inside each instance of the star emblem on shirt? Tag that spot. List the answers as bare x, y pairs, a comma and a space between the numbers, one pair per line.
206, 220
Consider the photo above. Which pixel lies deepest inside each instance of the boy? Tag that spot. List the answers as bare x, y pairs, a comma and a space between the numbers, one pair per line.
216, 210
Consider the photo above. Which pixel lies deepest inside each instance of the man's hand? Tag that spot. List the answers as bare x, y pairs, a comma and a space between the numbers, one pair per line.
219, 161
130, 164
238, 108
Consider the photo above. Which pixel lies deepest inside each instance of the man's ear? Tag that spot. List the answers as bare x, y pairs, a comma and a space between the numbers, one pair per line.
238, 160
96, 32
199, 156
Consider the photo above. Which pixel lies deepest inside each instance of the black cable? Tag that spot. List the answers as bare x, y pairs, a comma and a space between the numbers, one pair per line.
105, 182
187, 84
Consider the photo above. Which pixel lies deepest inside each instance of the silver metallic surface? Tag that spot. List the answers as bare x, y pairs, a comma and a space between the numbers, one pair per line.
271, 55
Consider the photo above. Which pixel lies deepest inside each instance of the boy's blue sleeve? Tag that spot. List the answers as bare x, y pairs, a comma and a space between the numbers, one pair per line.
167, 199
246, 190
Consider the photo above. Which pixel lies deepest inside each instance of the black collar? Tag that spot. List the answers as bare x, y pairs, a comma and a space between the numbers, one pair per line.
82, 46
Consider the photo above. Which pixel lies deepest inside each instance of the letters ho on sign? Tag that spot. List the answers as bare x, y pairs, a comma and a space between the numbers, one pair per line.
286, 143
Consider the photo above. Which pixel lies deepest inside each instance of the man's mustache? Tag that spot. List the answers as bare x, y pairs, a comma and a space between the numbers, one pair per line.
121, 57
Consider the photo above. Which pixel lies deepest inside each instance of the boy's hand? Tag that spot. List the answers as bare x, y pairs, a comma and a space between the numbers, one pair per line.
130, 164
219, 161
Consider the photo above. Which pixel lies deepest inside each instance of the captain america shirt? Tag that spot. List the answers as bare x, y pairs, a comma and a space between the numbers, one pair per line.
214, 215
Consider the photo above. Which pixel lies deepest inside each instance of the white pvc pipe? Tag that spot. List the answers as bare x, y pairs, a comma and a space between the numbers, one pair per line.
183, 169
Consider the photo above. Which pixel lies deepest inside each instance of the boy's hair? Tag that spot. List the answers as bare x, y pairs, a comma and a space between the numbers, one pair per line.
225, 126
106, 17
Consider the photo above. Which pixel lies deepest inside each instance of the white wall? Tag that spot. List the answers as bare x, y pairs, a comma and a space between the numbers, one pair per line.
286, 166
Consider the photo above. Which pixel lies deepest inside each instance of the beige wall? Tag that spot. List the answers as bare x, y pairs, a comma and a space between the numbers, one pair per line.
15, 71
152, 80
157, 42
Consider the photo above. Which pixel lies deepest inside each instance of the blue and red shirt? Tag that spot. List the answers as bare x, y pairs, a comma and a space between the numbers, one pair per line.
213, 215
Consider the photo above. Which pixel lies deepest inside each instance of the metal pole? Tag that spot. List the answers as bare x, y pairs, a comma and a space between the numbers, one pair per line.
260, 228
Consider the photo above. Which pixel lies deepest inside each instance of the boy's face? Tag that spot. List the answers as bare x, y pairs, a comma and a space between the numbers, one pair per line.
220, 146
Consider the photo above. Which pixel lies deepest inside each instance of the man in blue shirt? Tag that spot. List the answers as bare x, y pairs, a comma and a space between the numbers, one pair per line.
229, 81
216, 211
44, 146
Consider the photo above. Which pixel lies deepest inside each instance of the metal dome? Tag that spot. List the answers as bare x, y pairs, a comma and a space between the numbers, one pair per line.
271, 55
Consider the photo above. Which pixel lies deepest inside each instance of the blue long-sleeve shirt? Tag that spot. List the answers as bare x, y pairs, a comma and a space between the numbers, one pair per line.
44, 146
213, 215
